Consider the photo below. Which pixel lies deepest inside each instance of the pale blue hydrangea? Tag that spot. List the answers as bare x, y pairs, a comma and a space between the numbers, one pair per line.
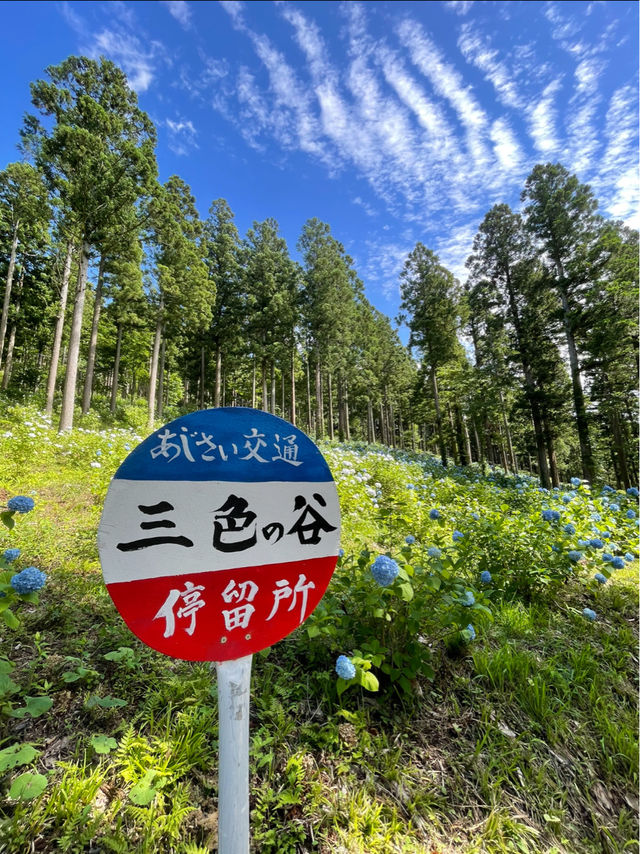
606, 535
569, 529
468, 599
589, 614
600, 578
550, 515
596, 517
614, 507
475, 516
340, 552
457, 536
471, 631
21, 504
596, 543
485, 576
29, 580
566, 498
630, 514
410, 540
608, 488
583, 544
575, 481
617, 563
384, 570
629, 557
434, 551
575, 556
11, 554
434, 514
345, 667
606, 557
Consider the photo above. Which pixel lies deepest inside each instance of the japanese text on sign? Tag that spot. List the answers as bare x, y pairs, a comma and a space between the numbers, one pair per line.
193, 445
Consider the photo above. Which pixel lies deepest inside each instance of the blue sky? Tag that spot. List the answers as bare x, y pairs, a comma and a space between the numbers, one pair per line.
393, 122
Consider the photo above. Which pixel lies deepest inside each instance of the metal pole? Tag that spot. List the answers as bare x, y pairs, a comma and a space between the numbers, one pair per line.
234, 685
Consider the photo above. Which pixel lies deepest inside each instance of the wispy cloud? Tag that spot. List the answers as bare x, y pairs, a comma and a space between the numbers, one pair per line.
460, 7
180, 10
181, 136
120, 44
542, 119
476, 50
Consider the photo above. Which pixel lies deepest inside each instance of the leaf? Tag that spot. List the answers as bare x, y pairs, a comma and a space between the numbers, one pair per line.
7, 519
313, 631
27, 786
6, 666
143, 792
103, 743
123, 652
17, 754
35, 706
407, 592
70, 676
10, 619
369, 682
7, 685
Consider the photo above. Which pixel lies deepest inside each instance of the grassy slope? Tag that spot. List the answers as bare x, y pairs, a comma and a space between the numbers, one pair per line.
526, 743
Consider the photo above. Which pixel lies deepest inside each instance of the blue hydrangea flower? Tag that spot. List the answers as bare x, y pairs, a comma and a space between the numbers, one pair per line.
340, 552
595, 543
566, 498
469, 599
617, 563
434, 514
589, 614
471, 631
575, 556
410, 540
608, 489
384, 570
434, 551
569, 529
633, 492
457, 536
575, 481
475, 516
410, 486
11, 554
606, 557
596, 517
583, 543
606, 535
550, 515
614, 507
630, 514
28, 581
600, 578
629, 557
345, 668
485, 576
21, 503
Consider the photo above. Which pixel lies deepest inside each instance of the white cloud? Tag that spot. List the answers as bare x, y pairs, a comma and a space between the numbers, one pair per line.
477, 51
180, 10
542, 119
460, 7
182, 136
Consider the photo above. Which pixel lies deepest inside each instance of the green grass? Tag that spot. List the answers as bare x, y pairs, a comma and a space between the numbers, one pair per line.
524, 742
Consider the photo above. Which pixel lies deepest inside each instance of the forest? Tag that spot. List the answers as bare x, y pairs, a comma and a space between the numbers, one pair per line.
122, 304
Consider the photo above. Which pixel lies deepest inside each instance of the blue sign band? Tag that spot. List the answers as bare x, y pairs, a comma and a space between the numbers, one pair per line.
230, 443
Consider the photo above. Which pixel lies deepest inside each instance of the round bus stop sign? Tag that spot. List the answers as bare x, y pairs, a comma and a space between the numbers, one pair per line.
219, 534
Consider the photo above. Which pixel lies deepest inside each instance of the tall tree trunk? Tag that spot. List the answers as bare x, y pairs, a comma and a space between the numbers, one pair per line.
479, 446
116, 371
330, 394
71, 373
465, 458
620, 452
507, 432
530, 388
319, 401
582, 424
93, 340
161, 382
253, 384
7, 289
341, 430
202, 374
370, 430
347, 428
452, 431
551, 453
216, 393
392, 425
153, 375
12, 335
436, 402
467, 440
309, 422
273, 388
57, 335
293, 385
265, 399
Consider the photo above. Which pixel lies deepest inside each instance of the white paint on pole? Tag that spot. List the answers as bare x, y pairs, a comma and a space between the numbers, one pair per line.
234, 685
